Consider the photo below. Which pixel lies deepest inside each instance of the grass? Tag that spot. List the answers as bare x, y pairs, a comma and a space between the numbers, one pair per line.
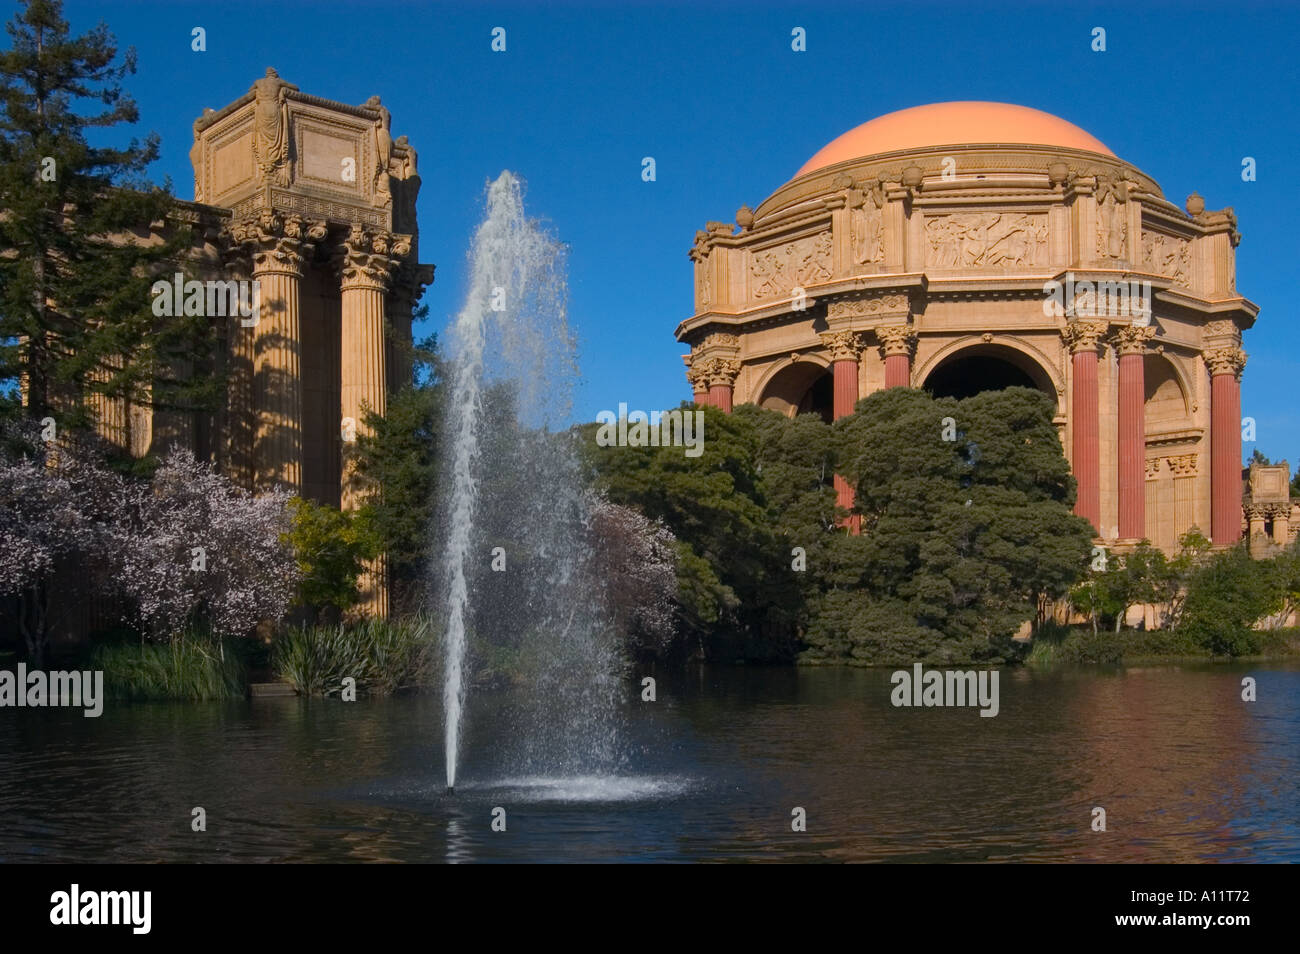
187, 669
383, 656
1055, 644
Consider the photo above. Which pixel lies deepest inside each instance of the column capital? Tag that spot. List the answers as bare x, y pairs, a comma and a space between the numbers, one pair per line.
1132, 339
843, 345
1083, 336
1257, 511
1279, 510
1183, 465
697, 379
719, 372
369, 258
276, 244
1225, 361
896, 339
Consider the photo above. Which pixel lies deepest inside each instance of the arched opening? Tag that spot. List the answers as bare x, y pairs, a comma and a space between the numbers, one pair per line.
986, 367
1165, 402
803, 387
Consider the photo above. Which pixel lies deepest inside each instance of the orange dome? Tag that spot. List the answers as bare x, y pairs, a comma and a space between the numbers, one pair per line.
951, 124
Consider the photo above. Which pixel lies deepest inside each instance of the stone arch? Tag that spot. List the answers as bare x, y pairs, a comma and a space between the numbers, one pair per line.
1167, 397
1017, 362
793, 387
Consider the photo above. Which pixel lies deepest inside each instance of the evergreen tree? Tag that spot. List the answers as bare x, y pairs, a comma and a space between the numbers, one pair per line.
76, 315
967, 523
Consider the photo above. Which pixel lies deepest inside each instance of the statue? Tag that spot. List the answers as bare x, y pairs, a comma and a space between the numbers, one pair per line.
271, 123
383, 146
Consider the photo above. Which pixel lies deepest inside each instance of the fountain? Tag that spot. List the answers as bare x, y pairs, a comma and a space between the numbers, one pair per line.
514, 574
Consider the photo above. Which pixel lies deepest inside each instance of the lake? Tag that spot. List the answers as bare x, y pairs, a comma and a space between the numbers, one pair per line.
710, 771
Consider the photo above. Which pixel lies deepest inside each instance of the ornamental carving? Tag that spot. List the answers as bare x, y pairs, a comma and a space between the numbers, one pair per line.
864, 307
1279, 511
697, 378
369, 258
720, 339
1183, 465
1221, 328
986, 240
1225, 361
1083, 336
1165, 255
895, 339
275, 243
1132, 339
842, 345
778, 271
718, 372
1153, 467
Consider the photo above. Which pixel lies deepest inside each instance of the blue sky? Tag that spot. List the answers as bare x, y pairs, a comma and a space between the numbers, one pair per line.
715, 93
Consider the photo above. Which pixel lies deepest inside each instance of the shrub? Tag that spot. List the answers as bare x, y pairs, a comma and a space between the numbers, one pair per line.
191, 669
383, 656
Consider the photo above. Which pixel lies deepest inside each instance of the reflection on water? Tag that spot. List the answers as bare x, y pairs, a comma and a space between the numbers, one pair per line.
1185, 770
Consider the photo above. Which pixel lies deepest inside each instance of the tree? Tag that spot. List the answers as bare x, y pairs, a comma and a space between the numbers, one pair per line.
196, 550
728, 552
76, 315
331, 547
57, 531
634, 560
397, 462
966, 522
1226, 597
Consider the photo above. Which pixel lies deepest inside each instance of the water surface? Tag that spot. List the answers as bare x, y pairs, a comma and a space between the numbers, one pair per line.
711, 771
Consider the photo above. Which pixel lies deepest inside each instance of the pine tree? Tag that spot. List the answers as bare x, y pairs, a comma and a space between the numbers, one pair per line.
83, 236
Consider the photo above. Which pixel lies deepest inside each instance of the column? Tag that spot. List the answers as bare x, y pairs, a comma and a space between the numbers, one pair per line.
699, 385
721, 374
1130, 344
1281, 514
1225, 366
896, 342
280, 247
844, 347
367, 266
1256, 514
1085, 448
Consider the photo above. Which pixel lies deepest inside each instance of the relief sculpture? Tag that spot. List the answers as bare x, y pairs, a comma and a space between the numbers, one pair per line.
777, 271
1166, 255
986, 240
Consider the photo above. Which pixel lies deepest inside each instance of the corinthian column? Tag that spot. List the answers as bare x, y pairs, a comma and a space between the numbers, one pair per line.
896, 341
1225, 365
844, 347
699, 383
721, 374
279, 247
1130, 345
1085, 451
367, 264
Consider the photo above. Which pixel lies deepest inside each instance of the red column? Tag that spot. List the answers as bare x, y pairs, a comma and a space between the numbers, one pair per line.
1086, 444
897, 343
1132, 446
845, 371
1225, 443
898, 371
720, 397
1085, 447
